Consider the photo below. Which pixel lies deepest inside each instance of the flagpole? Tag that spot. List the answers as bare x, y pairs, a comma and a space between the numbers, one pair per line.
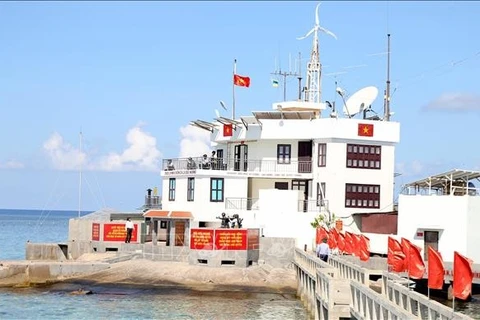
233, 97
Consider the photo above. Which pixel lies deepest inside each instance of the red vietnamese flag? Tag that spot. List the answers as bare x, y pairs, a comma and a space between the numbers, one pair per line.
341, 242
227, 130
416, 266
395, 257
436, 270
322, 233
332, 241
406, 245
348, 243
365, 130
364, 250
241, 81
462, 276
355, 244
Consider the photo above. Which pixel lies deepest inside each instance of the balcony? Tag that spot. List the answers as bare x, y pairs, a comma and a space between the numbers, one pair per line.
248, 204
250, 167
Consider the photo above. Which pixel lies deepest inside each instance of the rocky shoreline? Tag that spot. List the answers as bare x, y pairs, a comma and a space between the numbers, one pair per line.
150, 274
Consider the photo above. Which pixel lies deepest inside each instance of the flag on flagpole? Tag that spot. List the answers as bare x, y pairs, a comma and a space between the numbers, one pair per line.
275, 83
241, 81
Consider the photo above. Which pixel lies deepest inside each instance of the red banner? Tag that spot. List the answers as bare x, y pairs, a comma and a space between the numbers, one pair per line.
253, 238
233, 239
201, 239
117, 232
95, 231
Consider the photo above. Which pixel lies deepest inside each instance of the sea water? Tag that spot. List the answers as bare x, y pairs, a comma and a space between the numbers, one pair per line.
114, 301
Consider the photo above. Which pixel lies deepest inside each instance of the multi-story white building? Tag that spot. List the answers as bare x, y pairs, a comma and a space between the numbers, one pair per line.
280, 169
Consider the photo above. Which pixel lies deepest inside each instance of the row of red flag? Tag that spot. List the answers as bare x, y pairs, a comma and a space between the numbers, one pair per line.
404, 256
346, 243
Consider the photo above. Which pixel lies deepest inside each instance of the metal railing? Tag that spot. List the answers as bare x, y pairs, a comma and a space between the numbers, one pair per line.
312, 205
350, 271
241, 204
270, 166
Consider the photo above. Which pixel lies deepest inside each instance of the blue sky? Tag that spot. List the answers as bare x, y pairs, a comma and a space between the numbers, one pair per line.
131, 75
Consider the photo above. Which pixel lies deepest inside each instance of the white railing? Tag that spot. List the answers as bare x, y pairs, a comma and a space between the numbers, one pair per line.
351, 271
415, 303
369, 305
241, 204
270, 166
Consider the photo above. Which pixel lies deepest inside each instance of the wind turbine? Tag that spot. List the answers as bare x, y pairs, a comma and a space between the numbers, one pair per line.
314, 67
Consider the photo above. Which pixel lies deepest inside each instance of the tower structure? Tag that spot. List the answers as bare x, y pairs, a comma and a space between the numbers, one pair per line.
313, 89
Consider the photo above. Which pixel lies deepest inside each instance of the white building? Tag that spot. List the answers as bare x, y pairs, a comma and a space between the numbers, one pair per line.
279, 169
442, 211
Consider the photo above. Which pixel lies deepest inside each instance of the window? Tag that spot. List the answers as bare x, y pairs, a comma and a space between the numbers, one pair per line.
363, 156
171, 189
362, 196
322, 154
321, 194
284, 153
216, 189
190, 189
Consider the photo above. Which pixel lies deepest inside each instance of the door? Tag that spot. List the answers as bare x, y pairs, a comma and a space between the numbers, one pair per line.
302, 185
241, 157
179, 233
431, 239
304, 156
281, 185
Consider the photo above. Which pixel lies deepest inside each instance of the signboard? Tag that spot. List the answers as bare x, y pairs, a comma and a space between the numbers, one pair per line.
95, 231
117, 232
201, 239
233, 239
253, 238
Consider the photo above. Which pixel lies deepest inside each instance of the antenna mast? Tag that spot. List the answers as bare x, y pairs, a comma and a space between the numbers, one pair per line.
299, 76
285, 74
80, 179
387, 94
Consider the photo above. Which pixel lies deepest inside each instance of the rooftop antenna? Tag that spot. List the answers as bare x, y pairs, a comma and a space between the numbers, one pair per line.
80, 178
314, 67
299, 76
387, 92
285, 74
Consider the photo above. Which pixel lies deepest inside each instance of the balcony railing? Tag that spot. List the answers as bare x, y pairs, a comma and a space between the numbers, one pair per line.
312, 205
273, 166
241, 204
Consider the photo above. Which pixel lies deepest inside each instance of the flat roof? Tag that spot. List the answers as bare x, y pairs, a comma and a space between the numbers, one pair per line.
439, 180
290, 115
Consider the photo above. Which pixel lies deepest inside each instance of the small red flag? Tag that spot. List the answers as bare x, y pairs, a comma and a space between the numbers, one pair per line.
416, 266
365, 130
462, 276
322, 233
364, 251
241, 81
227, 130
341, 242
348, 243
395, 257
436, 270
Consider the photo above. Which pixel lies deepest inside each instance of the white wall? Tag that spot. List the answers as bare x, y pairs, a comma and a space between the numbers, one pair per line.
473, 234
201, 208
446, 214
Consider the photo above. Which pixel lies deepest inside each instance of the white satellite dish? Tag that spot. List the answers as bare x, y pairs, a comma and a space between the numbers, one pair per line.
360, 100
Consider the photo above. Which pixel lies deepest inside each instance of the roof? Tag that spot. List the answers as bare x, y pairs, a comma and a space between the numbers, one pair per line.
439, 180
168, 214
278, 115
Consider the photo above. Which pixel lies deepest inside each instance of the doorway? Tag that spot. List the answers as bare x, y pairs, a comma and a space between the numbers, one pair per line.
303, 186
431, 239
179, 233
305, 156
241, 157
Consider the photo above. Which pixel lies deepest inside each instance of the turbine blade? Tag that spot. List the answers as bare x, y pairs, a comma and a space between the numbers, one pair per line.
317, 20
305, 36
327, 32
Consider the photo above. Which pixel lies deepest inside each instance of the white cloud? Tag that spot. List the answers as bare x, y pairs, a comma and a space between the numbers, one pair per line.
454, 102
140, 155
62, 154
195, 142
11, 164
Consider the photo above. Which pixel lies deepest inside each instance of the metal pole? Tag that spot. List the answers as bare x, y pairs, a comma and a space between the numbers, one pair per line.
80, 180
233, 93
387, 103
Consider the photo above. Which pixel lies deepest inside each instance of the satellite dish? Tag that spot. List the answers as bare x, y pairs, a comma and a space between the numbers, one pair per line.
223, 105
360, 100
217, 113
